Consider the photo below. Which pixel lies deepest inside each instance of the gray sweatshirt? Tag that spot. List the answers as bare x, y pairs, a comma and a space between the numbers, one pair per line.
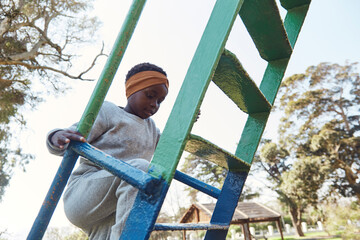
116, 132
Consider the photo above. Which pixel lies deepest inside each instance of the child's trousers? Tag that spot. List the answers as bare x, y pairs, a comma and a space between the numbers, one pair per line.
99, 203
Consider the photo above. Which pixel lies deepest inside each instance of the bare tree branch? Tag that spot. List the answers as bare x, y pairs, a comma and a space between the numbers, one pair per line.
39, 67
28, 55
94, 61
4, 26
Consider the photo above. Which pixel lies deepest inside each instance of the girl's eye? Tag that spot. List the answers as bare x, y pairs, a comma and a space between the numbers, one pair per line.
149, 96
160, 100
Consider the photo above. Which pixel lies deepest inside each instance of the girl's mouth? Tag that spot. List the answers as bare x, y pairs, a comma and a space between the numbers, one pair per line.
148, 113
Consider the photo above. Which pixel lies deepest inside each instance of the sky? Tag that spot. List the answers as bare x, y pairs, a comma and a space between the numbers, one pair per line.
167, 34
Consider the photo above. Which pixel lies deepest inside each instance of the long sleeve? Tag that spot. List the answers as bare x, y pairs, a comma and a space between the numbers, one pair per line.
51, 148
122, 135
99, 127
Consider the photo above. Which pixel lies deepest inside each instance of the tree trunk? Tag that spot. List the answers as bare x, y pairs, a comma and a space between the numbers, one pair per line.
350, 176
295, 215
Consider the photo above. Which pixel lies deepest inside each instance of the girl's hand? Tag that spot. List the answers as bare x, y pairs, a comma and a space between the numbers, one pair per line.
63, 137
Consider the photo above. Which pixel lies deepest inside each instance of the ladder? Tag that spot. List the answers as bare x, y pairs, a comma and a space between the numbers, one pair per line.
274, 39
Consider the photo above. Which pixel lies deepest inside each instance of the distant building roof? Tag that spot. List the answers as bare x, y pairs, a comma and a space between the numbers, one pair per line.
246, 212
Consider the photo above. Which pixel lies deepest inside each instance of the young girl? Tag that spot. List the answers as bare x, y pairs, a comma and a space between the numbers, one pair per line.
95, 200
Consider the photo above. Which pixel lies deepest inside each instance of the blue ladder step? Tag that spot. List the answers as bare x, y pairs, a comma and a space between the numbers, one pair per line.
137, 178
197, 184
236, 83
204, 149
263, 22
188, 226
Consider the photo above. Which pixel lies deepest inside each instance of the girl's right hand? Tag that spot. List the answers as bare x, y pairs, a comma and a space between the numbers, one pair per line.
60, 138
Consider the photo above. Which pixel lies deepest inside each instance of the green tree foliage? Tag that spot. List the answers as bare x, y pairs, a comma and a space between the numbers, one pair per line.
344, 218
202, 170
318, 137
322, 119
38, 41
295, 180
65, 233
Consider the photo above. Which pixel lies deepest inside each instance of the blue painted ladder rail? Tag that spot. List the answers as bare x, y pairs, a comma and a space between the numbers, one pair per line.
274, 40
97, 98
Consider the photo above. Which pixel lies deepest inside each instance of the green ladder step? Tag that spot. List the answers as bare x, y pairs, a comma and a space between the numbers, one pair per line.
234, 81
263, 22
290, 4
204, 149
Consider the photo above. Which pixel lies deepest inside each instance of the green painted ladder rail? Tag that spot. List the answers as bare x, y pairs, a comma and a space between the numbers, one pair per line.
274, 40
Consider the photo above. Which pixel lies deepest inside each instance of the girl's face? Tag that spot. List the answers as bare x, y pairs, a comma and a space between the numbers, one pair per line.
146, 102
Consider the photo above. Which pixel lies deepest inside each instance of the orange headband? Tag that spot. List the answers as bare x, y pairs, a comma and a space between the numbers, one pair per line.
142, 80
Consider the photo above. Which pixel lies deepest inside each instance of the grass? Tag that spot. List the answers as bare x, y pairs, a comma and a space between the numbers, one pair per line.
315, 235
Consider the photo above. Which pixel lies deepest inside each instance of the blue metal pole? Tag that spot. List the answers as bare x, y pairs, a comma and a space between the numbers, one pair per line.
226, 204
197, 184
52, 198
85, 124
135, 177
